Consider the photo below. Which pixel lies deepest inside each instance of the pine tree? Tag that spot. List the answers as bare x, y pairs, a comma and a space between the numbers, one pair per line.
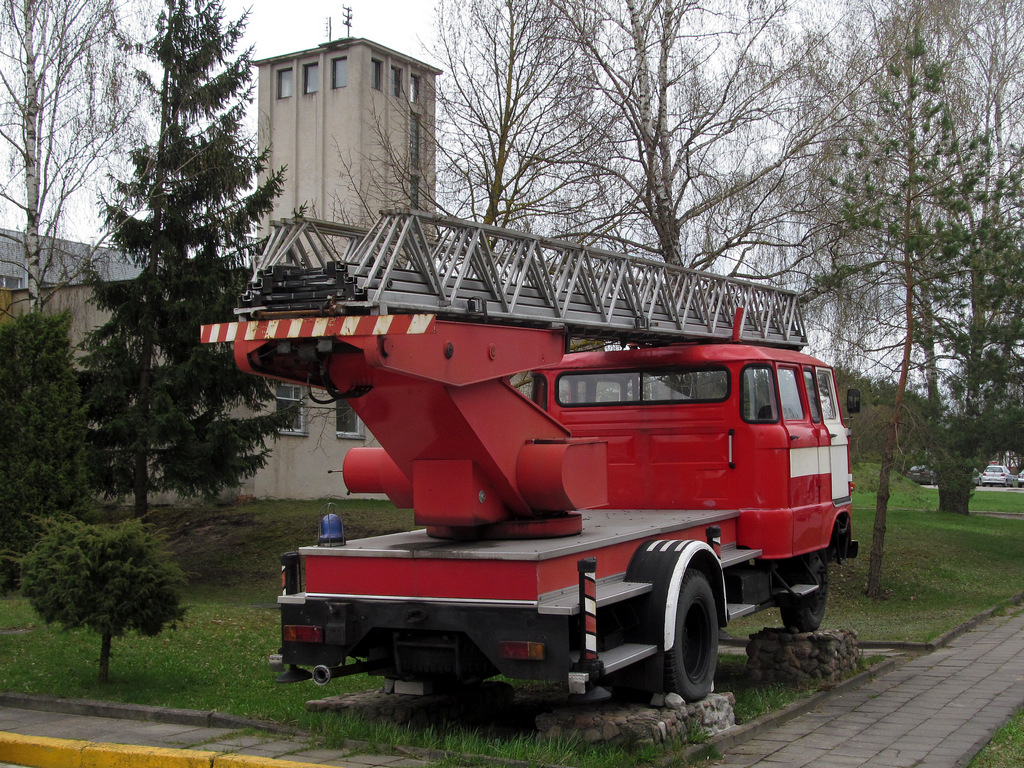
893, 198
43, 463
165, 408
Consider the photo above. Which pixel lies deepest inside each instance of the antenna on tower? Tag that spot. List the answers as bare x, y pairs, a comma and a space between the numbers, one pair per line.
347, 20
327, 25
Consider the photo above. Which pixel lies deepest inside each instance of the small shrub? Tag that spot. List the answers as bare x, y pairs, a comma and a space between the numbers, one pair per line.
109, 579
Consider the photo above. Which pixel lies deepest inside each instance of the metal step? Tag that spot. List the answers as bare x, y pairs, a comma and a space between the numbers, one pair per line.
733, 555
800, 590
740, 609
621, 656
611, 590
415, 262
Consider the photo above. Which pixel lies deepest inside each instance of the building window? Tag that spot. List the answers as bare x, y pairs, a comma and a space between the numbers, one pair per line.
339, 73
414, 88
284, 83
414, 191
396, 81
289, 398
311, 78
414, 141
10, 281
376, 74
348, 424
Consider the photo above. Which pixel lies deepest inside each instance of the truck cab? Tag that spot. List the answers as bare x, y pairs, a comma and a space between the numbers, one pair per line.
714, 426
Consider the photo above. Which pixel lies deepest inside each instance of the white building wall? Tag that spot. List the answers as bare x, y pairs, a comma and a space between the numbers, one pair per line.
347, 156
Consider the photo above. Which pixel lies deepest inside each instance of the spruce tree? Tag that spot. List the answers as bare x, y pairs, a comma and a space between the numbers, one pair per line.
164, 408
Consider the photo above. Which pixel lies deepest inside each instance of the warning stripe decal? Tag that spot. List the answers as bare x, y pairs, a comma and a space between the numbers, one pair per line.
311, 328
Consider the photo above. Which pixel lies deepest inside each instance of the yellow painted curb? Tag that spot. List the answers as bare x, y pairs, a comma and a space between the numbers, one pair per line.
46, 752
131, 756
41, 751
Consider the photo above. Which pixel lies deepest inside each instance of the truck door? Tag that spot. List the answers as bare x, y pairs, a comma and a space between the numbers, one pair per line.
839, 436
822, 436
804, 482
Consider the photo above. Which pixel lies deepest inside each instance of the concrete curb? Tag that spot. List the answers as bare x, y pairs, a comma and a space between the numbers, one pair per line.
197, 718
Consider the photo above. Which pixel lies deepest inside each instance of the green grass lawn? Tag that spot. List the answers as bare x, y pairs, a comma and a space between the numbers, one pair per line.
939, 570
1006, 750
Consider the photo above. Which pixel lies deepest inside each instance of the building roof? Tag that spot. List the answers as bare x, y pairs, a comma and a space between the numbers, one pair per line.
65, 260
344, 43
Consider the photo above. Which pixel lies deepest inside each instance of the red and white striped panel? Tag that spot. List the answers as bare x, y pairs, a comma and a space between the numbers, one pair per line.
316, 327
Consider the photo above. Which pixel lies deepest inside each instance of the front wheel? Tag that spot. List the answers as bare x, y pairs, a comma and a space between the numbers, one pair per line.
691, 662
806, 612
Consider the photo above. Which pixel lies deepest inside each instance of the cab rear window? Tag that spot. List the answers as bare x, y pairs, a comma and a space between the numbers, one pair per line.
690, 385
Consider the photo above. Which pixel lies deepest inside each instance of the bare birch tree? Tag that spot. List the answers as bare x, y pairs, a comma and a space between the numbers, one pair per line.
64, 116
710, 120
515, 128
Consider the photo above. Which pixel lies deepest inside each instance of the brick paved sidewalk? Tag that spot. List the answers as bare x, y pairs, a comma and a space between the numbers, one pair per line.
935, 711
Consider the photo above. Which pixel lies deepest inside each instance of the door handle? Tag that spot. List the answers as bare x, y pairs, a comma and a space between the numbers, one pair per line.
794, 437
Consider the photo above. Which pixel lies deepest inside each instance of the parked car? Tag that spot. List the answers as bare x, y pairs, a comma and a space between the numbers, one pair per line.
922, 475
997, 474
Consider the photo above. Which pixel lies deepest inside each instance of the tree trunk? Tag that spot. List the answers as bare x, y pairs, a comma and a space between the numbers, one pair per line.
33, 253
874, 585
148, 352
105, 658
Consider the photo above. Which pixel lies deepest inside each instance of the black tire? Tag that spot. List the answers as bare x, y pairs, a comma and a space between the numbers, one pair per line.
691, 663
806, 613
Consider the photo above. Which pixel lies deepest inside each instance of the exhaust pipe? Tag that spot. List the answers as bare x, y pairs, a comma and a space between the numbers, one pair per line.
321, 675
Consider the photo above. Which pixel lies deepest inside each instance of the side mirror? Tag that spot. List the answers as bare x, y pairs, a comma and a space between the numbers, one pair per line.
853, 401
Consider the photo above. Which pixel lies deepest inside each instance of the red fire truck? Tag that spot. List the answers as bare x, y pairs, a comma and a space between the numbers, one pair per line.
597, 524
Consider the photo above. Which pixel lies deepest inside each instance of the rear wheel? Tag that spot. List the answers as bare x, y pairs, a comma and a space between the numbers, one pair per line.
691, 662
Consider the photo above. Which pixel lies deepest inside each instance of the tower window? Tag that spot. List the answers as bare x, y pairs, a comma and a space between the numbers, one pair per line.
284, 83
311, 78
339, 73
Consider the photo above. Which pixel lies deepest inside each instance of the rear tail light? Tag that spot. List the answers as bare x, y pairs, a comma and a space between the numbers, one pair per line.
302, 633
521, 650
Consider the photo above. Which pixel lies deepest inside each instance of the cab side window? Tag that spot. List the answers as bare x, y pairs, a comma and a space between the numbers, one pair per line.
828, 396
789, 393
812, 395
757, 395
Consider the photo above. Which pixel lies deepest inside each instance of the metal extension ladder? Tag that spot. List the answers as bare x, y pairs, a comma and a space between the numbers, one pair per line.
415, 262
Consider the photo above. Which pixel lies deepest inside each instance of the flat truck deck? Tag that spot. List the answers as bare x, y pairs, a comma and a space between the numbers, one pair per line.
528, 572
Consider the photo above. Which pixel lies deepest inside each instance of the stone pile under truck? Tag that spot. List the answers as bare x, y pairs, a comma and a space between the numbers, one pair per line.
595, 525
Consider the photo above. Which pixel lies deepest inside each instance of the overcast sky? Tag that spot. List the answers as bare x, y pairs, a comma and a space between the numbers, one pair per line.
284, 26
